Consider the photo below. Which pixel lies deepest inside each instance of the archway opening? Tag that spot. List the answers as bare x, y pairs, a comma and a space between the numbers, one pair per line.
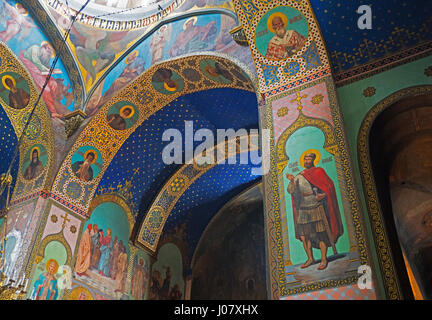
400, 143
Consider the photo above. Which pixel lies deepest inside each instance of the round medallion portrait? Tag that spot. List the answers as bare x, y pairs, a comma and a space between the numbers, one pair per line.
86, 163
34, 162
122, 115
281, 32
167, 81
14, 90
216, 71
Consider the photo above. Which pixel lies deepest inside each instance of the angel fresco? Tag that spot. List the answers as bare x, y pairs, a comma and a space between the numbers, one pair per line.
96, 50
16, 23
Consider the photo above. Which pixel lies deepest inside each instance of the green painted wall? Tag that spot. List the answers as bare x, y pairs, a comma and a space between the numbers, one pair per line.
354, 107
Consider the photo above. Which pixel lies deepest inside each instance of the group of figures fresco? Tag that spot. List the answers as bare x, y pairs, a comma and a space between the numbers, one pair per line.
102, 253
102, 267
20, 32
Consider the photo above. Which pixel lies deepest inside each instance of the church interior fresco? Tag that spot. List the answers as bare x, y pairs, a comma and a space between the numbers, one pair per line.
130, 226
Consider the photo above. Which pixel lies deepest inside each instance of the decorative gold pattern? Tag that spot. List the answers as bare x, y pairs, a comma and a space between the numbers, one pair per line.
250, 25
142, 94
39, 133
369, 92
148, 225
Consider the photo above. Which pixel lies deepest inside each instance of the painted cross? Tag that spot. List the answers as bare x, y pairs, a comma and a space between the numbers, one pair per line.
299, 99
65, 218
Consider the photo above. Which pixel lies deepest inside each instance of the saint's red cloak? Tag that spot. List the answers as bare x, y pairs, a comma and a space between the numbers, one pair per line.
319, 178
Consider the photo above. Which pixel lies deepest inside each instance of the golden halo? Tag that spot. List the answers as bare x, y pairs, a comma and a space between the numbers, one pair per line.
169, 88
26, 11
53, 51
133, 53
274, 15
92, 151
317, 159
193, 18
130, 107
4, 81
37, 149
76, 292
48, 264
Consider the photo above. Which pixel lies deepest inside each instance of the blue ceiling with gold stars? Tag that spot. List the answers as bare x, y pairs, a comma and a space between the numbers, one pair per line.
139, 160
396, 26
206, 196
8, 142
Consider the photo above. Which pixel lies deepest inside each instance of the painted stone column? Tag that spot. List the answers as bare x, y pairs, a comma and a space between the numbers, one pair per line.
309, 191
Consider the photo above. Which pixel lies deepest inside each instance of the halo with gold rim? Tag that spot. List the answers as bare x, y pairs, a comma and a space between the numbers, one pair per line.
33, 149
91, 151
274, 15
53, 51
317, 159
169, 88
130, 55
193, 18
4, 81
48, 264
26, 11
131, 108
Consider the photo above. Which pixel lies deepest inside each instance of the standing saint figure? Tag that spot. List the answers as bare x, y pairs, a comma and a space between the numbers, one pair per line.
45, 288
317, 219
139, 280
84, 253
121, 269
285, 42
157, 44
113, 258
35, 167
106, 249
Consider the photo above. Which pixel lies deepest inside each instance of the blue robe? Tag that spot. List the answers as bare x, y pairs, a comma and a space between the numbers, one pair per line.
40, 282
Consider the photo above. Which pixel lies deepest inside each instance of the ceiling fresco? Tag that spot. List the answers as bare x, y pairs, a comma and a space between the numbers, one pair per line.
139, 160
205, 197
36, 53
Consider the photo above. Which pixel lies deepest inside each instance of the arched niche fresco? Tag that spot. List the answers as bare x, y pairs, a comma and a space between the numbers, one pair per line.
103, 253
167, 279
319, 242
106, 264
379, 205
229, 260
313, 140
45, 282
